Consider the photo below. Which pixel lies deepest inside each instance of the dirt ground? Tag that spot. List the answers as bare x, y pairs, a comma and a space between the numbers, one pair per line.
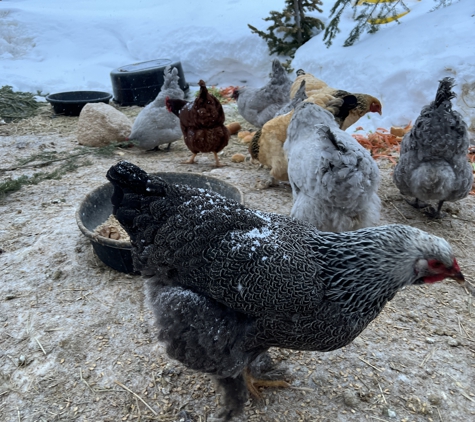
77, 342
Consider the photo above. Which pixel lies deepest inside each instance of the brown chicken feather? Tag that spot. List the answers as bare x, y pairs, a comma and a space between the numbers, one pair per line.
254, 145
202, 123
319, 92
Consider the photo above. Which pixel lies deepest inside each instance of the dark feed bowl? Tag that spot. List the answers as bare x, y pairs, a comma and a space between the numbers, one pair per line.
71, 103
96, 208
140, 83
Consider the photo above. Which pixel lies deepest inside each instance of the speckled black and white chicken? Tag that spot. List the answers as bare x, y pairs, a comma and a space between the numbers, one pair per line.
154, 125
334, 179
433, 164
226, 283
259, 105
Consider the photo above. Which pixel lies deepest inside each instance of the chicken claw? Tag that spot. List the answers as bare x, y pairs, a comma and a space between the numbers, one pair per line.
253, 383
190, 161
416, 203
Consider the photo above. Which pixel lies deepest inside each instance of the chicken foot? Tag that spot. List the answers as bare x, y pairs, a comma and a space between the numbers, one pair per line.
190, 161
253, 383
218, 164
417, 203
436, 213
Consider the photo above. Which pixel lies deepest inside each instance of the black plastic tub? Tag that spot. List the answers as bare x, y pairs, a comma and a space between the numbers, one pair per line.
140, 83
72, 102
96, 208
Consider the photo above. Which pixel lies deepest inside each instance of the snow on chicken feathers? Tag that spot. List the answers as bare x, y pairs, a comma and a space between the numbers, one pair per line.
202, 123
433, 163
227, 282
334, 179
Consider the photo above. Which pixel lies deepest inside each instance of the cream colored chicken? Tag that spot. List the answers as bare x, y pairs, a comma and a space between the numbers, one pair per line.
319, 92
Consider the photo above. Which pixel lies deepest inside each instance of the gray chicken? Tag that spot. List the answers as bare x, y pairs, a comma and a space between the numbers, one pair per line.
259, 105
299, 96
154, 125
433, 164
334, 179
226, 283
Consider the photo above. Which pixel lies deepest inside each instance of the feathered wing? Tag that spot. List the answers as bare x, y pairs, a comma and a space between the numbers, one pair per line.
299, 97
260, 105
155, 126
433, 164
334, 180
312, 83
243, 259
267, 144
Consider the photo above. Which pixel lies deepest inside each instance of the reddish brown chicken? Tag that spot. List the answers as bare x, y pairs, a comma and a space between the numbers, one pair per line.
202, 123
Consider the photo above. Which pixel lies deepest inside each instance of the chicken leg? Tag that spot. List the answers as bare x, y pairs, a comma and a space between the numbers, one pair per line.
190, 161
416, 203
253, 383
436, 213
218, 164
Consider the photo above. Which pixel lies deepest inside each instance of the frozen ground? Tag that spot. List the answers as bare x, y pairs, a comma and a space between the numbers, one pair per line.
77, 342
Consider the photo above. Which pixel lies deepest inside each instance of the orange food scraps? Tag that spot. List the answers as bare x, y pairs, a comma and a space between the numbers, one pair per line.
227, 92
381, 144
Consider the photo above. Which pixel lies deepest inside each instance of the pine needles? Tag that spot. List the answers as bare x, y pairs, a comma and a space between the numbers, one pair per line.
292, 27
16, 105
66, 162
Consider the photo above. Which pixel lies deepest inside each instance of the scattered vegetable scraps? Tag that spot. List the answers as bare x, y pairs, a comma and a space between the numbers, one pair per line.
383, 143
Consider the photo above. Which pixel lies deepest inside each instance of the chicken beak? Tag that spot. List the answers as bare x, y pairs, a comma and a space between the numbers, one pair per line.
458, 277
455, 273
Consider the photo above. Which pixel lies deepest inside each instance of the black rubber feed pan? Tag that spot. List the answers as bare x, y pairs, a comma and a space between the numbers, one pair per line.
72, 102
140, 83
96, 208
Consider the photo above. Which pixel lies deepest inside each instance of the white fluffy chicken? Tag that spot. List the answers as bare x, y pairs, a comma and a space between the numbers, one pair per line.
334, 179
433, 165
154, 125
259, 105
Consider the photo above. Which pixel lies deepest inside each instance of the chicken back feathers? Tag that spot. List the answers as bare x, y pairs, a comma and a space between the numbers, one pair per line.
227, 282
334, 179
259, 105
267, 143
202, 122
433, 163
154, 126
319, 92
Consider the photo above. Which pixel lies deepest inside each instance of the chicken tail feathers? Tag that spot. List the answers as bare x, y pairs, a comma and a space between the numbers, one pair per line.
301, 92
341, 107
444, 92
203, 89
326, 131
349, 103
254, 145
